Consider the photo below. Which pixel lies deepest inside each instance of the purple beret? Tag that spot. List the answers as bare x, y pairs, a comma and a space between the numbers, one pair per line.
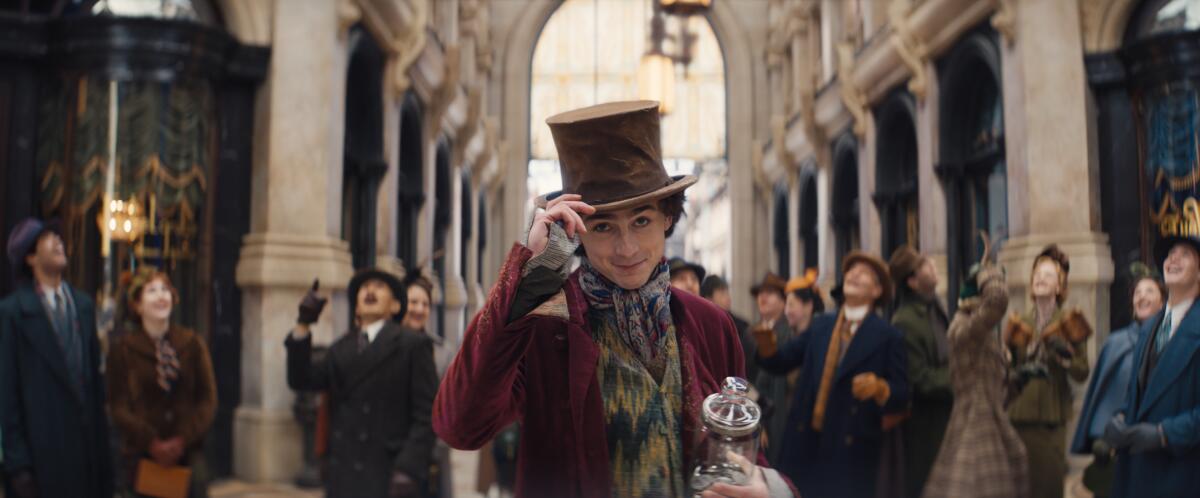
23, 237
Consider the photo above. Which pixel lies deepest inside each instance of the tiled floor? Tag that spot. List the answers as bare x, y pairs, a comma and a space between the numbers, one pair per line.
463, 466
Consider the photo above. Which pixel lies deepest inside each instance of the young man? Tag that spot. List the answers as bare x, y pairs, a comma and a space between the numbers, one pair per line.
51, 390
1157, 435
852, 375
686, 275
716, 290
606, 367
381, 381
920, 317
771, 297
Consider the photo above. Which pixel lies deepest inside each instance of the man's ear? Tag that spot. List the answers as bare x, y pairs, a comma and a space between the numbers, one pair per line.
670, 222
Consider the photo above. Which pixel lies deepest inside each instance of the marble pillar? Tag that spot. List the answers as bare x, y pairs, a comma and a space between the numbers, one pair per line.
296, 205
1051, 199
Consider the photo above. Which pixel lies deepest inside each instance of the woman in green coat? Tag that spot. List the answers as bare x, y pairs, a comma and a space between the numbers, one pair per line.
1048, 348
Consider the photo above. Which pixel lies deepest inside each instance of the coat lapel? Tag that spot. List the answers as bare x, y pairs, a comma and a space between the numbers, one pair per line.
1175, 357
582, 351
383, 347
866, 339
41, 336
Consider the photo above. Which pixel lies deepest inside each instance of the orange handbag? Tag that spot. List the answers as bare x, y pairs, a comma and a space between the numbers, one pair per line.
162, 482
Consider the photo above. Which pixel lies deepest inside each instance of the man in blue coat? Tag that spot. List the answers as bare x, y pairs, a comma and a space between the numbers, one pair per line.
1157, 435
51, 391
853, 381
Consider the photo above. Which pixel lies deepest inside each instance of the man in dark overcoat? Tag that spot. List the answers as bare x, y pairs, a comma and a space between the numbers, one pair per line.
381, 381
51, 389
1157, 435
853, 380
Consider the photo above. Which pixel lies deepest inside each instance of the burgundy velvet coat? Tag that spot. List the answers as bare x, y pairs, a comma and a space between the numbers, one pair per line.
541, 370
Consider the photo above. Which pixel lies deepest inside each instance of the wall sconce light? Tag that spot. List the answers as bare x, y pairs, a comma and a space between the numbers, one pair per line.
123, 221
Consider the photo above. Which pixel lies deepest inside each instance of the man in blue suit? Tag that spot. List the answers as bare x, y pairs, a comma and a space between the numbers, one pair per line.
853, 386
51, 391
1158, 432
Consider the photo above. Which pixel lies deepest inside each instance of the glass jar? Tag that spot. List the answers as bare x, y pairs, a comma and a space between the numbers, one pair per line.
729, 448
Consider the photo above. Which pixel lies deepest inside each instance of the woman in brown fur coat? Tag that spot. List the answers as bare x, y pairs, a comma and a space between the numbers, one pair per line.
161, 391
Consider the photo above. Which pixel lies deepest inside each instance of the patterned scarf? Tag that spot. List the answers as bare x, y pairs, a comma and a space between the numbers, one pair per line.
643, 315
168, 364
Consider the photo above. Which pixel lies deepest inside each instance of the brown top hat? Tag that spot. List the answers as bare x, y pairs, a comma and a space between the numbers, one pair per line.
770, 281
881, 271
611, 155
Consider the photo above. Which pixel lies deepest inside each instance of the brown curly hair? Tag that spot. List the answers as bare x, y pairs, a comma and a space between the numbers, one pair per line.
1054, 255
139, 282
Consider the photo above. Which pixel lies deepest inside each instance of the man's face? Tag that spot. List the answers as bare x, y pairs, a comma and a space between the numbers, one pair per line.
627, 245
770, 303
375, 302
1181, 270
1147, 299
1045, 279
722, 299
686, 280
861, 285
925, 280
48, 255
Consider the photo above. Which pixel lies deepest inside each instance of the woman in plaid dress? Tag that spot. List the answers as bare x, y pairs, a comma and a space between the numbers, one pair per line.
981, 455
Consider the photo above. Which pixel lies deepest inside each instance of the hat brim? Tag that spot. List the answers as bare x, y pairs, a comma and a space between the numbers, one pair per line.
678, 184
1163, 247
399, 289
755, 290
881, 271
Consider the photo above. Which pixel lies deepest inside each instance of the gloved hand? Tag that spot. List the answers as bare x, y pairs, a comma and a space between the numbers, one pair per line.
1060, 347
766, 341
1114, 432
867, 385
1102, 451
402, 485
1145, 437
23, 485
311, 305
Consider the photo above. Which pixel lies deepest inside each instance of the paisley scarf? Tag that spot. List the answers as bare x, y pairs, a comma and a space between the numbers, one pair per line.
643, 315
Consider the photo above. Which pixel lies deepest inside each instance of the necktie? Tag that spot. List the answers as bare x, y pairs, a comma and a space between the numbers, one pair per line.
67, 336
363, 341
833, 356
1163, 335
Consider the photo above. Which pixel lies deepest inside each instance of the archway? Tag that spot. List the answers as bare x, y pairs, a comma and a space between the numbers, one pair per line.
808, 220
412, 179
782, 236
972, 150
845, 199
896, 172
442, 199
363, 162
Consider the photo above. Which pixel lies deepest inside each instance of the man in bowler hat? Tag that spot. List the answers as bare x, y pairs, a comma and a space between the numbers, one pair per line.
381, 382
51, 390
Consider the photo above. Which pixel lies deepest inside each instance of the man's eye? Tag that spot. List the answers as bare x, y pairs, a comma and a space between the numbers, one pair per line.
641, 222
600, 227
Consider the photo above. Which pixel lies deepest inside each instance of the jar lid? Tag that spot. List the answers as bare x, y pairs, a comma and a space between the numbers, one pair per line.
731, 412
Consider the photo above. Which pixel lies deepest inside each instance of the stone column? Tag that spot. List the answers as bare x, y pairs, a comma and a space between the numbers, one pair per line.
455, 292
1051, 196
474, 291
932, 204
296, 209
869, 224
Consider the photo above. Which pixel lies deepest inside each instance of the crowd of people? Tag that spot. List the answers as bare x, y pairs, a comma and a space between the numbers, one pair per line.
601, 350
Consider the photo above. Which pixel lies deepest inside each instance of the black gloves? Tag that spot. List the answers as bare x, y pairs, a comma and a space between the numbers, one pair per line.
1138, 438
311, 306
1060, 347
1102, 451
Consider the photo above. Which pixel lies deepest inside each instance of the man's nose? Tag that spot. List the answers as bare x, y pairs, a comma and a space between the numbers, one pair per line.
626, 245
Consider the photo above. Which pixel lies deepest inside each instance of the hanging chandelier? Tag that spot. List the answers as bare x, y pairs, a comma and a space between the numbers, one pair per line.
656, 72
122, 220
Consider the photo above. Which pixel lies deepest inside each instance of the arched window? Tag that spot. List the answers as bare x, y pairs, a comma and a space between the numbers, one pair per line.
808, 220
412, 179
588, 53
845, 199
896, 172
782, 237
972, 150
481, 237
363, 162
